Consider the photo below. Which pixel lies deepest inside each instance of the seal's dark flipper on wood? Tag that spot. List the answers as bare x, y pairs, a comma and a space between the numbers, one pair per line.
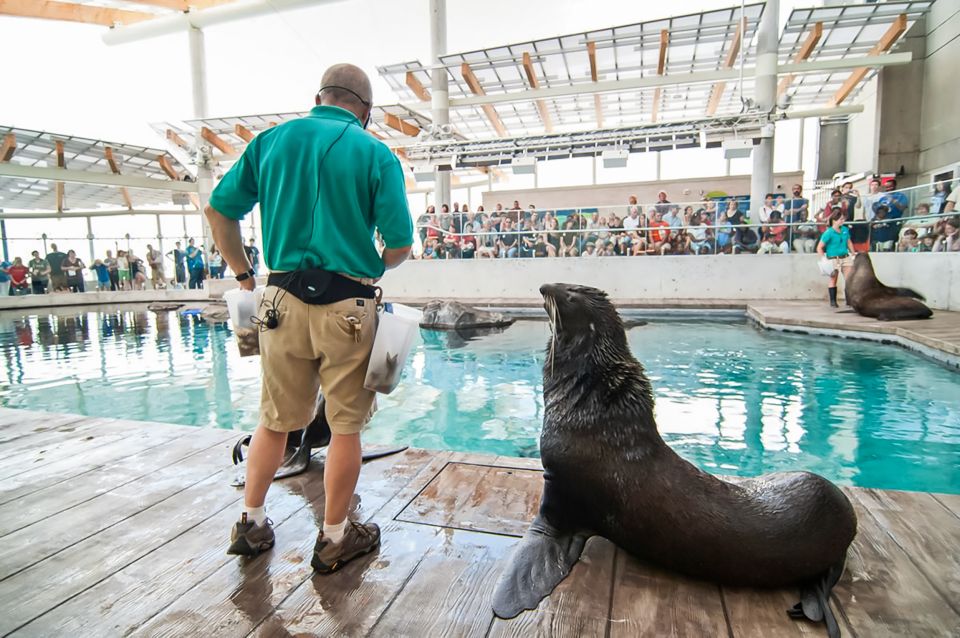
300, 446
815, 601
543, 558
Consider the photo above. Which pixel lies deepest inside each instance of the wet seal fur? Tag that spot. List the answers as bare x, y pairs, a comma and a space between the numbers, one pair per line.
607, 472
453, 315
871, 298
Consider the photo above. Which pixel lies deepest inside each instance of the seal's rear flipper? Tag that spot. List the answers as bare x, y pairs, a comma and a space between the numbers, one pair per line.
543, 558
815, 601
909, 292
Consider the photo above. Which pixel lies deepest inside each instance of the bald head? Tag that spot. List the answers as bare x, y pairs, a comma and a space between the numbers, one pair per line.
351, 78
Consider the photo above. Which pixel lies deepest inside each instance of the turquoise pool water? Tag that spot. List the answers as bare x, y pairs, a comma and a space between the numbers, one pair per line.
730, 398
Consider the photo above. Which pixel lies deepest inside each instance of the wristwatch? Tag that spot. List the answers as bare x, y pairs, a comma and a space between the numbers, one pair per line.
245, 275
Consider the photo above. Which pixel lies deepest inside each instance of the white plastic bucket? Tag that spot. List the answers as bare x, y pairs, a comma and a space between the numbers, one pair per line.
395, 331
242, 305
826, 266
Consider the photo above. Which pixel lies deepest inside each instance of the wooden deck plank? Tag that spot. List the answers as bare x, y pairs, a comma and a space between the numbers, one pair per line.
648, 601
759, 613
50, 438
522, 463
38, 589
36, 542
925, 531
479, 498
349, 602
67, 447
34, 423
349, 606
949, 501
580, 604
210, 609
449, 592
41, 475
52, 500
882, 593
125, 600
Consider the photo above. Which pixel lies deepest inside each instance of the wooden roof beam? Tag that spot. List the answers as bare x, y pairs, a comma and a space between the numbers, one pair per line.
176, 139
661, 67
243, 133
168, 168
181, 5
61, 163
886, 41
8, 148
417, 87
805, 50
70, 12
221, 144
398, 124
717, 92
115, 169
476, 89
535, 84
597, 104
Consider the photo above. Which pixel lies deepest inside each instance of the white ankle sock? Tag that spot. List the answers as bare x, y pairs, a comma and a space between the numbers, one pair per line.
256, 514
335, 533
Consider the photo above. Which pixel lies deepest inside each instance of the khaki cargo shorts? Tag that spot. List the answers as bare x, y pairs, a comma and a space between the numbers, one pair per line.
842, 262
316, 348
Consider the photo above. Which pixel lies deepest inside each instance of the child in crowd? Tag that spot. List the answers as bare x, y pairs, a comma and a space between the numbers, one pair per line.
949, 242
123, 271
883, 232
774, 236
103, 275
909, 242
927, 243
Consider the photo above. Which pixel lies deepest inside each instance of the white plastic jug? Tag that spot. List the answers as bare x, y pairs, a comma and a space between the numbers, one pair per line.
395, 331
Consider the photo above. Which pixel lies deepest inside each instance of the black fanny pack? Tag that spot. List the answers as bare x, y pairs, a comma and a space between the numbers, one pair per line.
317, 287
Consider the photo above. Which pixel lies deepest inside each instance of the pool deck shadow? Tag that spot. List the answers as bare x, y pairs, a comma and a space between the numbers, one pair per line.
105, 535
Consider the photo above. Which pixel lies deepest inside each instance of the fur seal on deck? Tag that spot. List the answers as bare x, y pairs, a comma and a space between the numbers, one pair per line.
608, 472
871, 298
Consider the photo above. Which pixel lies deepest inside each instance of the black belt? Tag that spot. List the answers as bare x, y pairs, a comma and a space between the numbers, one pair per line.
316, 287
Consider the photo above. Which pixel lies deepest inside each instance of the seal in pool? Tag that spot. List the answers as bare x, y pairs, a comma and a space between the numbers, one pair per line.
453, 315
871, 298
607, 472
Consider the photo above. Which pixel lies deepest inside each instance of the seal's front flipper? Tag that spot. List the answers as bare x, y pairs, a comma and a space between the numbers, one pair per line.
543, 558
815, 601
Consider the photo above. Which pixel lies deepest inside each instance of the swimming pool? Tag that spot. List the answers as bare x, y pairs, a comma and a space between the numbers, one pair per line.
731, 398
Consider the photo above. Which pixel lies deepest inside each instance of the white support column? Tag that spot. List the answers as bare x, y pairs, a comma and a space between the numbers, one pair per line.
93, 253
658, 165
439, 90
159, 238
594, 182
198, 82
765, 95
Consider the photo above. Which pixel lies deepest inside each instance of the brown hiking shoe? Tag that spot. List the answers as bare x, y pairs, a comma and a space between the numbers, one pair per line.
358, 540
250, 539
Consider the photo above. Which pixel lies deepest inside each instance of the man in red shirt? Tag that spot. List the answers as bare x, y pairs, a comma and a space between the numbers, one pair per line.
659, 238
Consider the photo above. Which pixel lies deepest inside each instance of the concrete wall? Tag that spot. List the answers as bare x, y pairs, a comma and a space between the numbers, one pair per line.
940, 120
832, 151
901, 102
863, 131
680, 190
670, 278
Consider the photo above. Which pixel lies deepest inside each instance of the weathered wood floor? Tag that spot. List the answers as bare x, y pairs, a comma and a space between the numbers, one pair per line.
111, 528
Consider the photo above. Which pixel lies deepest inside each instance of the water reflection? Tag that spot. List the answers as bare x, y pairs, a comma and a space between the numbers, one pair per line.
730, 398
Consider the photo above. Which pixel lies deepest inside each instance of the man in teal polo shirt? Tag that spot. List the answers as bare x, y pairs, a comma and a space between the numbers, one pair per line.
324, 186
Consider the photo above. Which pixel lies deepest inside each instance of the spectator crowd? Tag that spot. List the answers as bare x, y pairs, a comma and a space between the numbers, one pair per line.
57, 271
781, 224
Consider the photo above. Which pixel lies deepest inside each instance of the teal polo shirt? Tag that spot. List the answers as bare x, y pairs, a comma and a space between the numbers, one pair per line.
320, 217
836, 244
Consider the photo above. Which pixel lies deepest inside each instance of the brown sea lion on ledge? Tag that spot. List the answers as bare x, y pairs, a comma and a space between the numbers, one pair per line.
871, 298
608, 472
